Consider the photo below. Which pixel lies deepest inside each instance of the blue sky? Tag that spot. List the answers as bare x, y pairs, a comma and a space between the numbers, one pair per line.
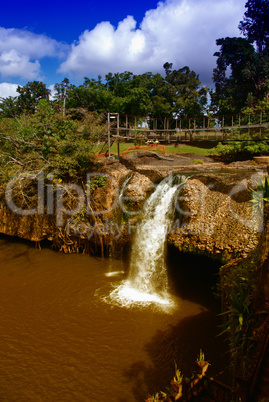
50, 40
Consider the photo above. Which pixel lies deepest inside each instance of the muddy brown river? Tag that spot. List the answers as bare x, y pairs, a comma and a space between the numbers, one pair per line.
63, 339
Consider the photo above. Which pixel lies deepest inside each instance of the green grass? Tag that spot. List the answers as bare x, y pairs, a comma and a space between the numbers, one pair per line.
170, 149
123, 146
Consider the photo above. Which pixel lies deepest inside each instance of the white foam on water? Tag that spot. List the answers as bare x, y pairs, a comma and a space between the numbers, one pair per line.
125, 295
114, 273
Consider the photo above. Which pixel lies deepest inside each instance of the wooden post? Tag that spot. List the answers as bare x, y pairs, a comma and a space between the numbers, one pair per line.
108, 133
118, 134
167, 128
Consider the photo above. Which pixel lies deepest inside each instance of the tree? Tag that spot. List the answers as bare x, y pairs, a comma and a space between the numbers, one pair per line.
61, 89
30, 95
9, 107
168, 68
241, 74
236, 59
61, 93
189, 97
255, 24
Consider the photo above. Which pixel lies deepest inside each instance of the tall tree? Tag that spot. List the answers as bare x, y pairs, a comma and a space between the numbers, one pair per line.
241, 74
61, 90
30, 94
255, 24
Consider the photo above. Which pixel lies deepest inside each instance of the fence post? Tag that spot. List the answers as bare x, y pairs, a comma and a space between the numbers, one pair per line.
118, 134
108, 133
126, 125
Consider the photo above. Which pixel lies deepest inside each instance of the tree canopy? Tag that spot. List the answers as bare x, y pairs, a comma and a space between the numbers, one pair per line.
242, 74
178, 93
255, 24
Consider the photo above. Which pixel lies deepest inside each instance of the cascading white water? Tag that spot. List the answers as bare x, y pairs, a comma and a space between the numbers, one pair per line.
147, 281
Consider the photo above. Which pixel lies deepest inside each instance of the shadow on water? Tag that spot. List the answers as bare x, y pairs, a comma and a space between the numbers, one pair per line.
181, 344
192, 278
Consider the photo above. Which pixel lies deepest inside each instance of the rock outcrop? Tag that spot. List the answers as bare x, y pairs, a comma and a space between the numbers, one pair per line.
213, 213
215, 216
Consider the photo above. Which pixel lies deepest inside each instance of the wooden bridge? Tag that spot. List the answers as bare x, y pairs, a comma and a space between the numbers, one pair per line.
207, 128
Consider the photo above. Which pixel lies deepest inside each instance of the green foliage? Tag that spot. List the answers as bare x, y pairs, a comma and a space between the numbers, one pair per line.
30, 94
242, 146
81, 216
242, 74
255, 22
198, 161
96, 181
260, 196
238, 312
238, 326
238, 286
180, 92
46, 141
9, 107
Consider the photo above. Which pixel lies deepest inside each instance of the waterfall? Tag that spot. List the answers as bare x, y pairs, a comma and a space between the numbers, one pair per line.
126, 182
147, 280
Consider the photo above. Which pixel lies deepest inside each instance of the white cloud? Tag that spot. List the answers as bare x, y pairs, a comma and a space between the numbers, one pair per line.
20, 52
183, 32
52, 91
7, 89
13, 64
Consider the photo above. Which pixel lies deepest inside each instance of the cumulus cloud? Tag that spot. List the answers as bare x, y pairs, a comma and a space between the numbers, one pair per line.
182, 32
20, 52
52, 91
7, 89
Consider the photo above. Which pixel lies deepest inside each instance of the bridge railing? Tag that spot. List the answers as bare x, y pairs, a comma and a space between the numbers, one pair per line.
208, 128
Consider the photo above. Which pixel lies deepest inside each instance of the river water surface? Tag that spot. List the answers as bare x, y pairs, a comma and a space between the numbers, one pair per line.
61, 341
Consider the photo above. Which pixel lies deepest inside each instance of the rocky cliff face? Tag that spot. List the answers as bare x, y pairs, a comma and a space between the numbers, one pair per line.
213, 213
215, 216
